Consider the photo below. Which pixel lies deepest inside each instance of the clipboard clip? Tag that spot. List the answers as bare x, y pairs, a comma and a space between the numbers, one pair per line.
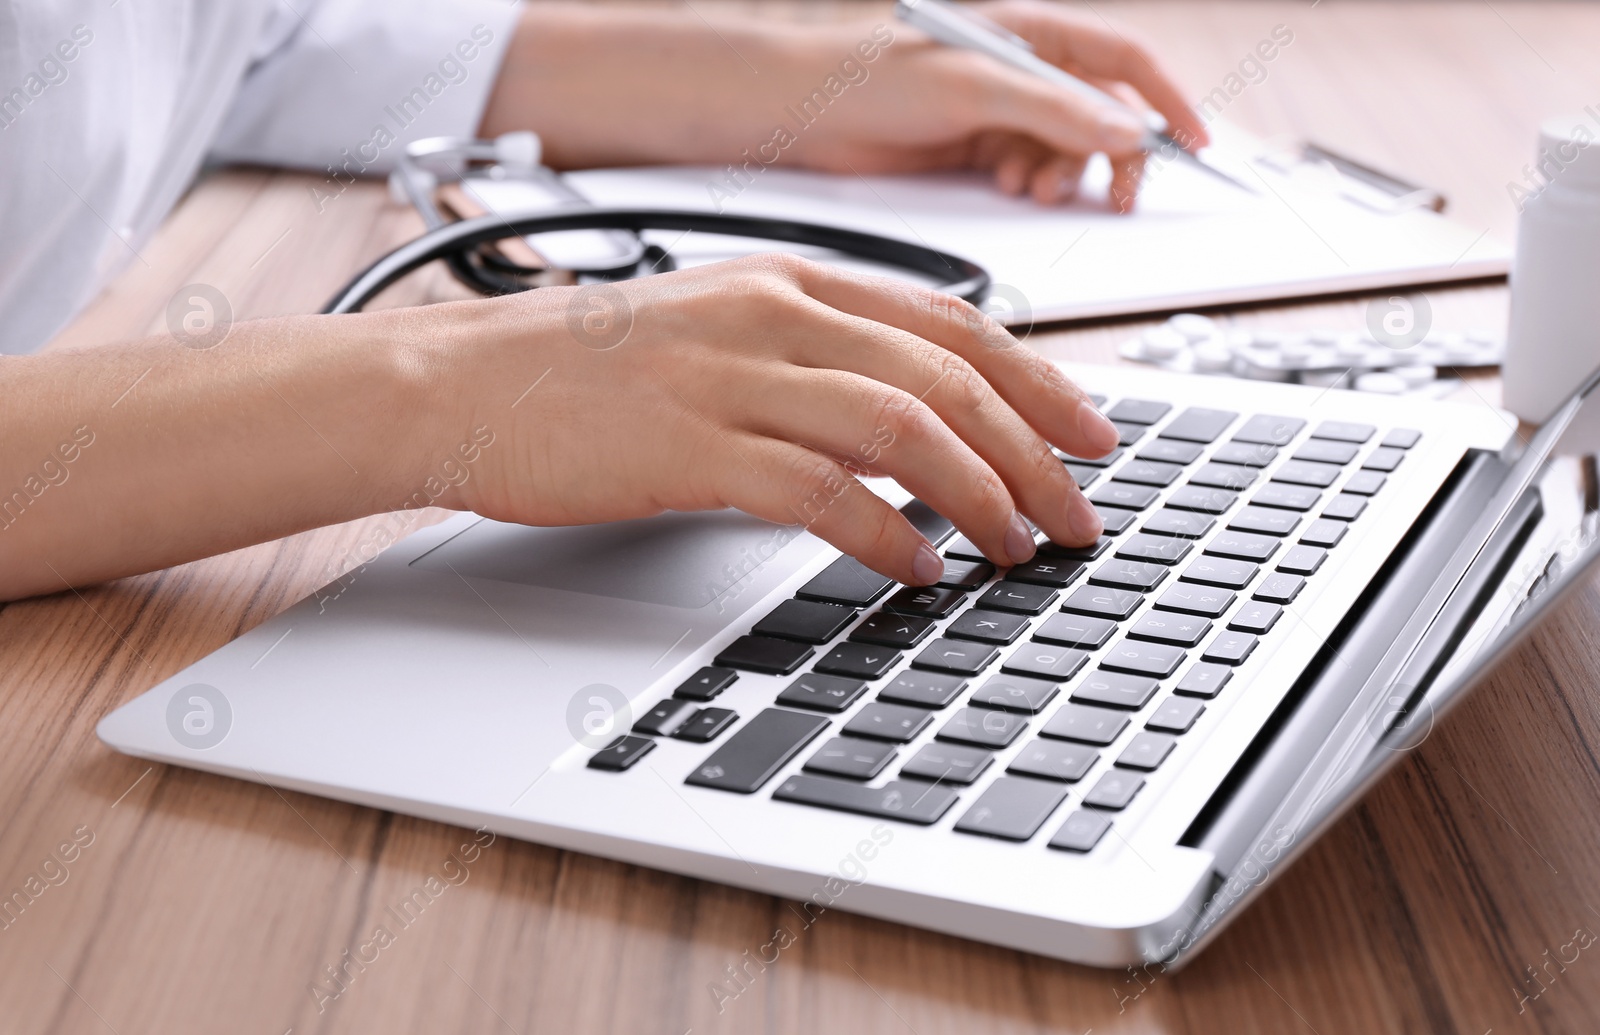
1359, 182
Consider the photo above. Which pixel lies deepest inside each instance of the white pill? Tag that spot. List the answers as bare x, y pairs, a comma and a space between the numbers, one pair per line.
1350, 348
1448, 339
1416, 375
1324, 336
1193, 326
1295, 350
1382, 383
1212, 357
1243, 340
1322, 378
1484, 336
1163, 342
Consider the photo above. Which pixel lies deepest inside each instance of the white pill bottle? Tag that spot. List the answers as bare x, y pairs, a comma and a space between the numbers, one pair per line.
1553, 343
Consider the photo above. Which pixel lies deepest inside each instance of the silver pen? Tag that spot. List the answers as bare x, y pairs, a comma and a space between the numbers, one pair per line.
956, 26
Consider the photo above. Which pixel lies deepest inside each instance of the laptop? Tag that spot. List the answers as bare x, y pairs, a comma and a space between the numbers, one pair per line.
1098, 756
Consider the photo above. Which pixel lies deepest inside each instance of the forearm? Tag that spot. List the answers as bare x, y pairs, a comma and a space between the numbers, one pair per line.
125, 459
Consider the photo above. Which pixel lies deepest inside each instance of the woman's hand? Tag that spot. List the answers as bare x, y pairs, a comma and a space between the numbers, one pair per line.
614, 87
766, 384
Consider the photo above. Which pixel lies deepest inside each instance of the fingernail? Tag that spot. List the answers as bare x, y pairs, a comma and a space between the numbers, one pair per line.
1120, 130
1019, 540
1096, 428
927, 566
1084, 519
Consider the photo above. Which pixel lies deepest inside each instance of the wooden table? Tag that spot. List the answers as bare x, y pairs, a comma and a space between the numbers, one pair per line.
202, 904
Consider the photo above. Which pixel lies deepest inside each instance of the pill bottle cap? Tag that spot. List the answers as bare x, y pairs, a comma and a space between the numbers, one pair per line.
1569, 149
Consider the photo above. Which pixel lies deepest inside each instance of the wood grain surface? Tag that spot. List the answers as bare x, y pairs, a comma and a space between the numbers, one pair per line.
1461, 896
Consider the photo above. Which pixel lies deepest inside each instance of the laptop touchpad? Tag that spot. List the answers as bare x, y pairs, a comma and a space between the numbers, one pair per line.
680, 560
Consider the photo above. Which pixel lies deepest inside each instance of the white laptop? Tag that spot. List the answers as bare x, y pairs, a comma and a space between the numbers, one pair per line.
1096, 756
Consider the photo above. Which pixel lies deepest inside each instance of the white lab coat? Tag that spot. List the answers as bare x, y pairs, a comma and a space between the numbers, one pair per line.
108, 111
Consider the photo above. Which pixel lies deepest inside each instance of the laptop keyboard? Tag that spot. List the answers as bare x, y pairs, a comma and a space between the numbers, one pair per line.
1083, 667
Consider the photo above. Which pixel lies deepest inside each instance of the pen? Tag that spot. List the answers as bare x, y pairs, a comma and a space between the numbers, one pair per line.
956, 26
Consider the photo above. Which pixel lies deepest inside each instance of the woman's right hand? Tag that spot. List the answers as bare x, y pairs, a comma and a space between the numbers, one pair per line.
763, 384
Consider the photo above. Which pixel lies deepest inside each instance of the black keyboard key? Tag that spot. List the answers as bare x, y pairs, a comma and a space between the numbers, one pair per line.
1365, 483
887, 629
1103, 601
1229, 648
963, 658
1383, 459
1204, 680
1117, 689
1170, 451
1116, 519
1129, 575
895, 722
1269, 430
1081, 832
934, 526
1246, 454
1012, 807
764, 654
1146, 659
1179, 630
1401, 438
1128, 434
1146, 751
755, 753
924, 689
1220, 571
1085, 461
1082, 477
1279, 588
966, 575
948, 763
963, 549
1086, 724
1138, 411
1224, 476
1265, 520
1075, 553
621, 753
1076, 631
1344, 507
1255, 616
1198, 424
1114, 790
808, 621
706, 683
984, 727
1182, 523
1344, 431
1207, 501
1018, 598
928, 601
1303, 560
822, 693
1326, 451
1015, 694
987, 626
707, 725
1159, 549
1324, 532
858, 661
1124, 494
1246, 546
1046, 571
1054, 760
1191, 599
1176, 715
664, 719
1286, 497
918, 803
846, 581
1305, 472
1044, 661
851, 757
1148, 472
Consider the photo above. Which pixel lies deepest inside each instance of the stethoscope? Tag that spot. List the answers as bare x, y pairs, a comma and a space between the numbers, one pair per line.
465, 245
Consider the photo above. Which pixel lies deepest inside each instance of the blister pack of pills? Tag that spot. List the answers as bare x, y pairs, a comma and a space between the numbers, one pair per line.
1192, 343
